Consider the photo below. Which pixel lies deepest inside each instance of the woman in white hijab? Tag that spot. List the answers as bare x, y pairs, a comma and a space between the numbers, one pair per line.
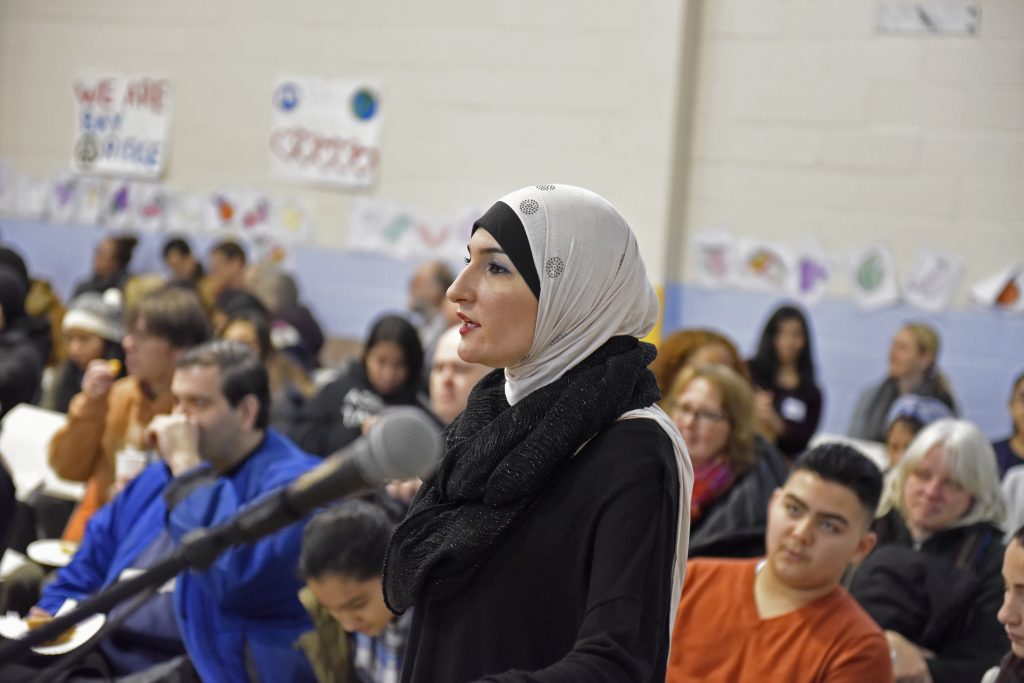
550, 544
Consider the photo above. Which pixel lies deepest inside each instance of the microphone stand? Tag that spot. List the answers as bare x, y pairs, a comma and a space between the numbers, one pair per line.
198, 550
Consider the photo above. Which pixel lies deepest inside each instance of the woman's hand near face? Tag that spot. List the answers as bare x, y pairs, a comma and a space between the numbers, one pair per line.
909, 662
98, 378
767, 417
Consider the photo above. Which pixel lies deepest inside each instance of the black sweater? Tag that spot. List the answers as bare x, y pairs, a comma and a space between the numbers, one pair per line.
580, 590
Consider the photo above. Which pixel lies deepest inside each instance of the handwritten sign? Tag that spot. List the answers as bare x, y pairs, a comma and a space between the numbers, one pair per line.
121, 125
325, 132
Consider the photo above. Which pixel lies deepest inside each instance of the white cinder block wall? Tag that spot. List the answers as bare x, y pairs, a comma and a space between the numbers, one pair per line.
806, 121
480, 98
809, 122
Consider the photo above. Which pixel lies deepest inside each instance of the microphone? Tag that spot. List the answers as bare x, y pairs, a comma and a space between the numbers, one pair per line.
404, 443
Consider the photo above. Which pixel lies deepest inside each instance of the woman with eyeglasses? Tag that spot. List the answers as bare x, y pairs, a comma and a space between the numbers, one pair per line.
933, 580
734, 470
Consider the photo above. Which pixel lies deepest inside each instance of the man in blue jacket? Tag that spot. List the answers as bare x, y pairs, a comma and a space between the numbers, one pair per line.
238, 620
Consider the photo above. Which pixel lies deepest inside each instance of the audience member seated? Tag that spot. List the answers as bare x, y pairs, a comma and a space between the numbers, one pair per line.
693, 348
21, 365
231, 303
908, 415
110, 261
787, 400
355, 636
43, 308
427, 296
734, 472
294, 330
1010, 451
227, 267
913, 369
387, 374
786, 617
92, 330
290, 388
215, 456
1011, 614
933, 580
110, 415
185, 269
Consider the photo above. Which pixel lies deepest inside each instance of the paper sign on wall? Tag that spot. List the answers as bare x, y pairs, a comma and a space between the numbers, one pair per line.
403, 232
1003, 290
714, 256
874, 278
325, 132
121, 125
933, 279
766, 266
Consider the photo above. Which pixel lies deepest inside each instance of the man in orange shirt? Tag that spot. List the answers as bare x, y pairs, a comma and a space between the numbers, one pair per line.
110, 415
786, 617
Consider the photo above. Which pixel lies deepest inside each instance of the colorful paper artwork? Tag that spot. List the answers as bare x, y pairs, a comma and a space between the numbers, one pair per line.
405, 232
325, 131
1003, 290
714, 254
873, 272
933, 280
121, 125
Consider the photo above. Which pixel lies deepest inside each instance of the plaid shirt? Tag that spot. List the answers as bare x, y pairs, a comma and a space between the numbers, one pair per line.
379, 659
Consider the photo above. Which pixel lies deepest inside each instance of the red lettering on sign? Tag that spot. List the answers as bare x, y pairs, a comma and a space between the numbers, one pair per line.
329, 155
99, 94
145, 93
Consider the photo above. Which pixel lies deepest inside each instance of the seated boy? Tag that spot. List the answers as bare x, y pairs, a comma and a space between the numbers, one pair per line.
786, 617
342, 562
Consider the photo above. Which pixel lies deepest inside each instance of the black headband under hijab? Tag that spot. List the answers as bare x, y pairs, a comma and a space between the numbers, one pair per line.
508, 231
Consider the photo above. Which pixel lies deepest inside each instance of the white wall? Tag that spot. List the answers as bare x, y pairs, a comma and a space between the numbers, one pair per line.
480, 98
811, 123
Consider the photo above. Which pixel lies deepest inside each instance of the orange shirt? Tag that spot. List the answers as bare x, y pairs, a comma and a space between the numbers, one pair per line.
719, 636
84, 449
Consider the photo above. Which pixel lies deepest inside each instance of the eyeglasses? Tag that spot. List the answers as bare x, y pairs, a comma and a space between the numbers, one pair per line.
702, 414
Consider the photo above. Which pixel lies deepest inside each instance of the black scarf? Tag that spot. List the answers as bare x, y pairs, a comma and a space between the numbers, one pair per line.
499, 460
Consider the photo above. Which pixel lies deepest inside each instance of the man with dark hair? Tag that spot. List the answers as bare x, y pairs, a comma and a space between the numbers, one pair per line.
238, 620
427, 297
786, 617
109, 415
227, 267
183, 265
342, 563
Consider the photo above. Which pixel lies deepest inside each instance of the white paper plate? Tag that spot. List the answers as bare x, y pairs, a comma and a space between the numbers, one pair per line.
52, 552
14, 627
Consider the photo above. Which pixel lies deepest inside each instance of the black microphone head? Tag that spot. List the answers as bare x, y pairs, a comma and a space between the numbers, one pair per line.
404, 443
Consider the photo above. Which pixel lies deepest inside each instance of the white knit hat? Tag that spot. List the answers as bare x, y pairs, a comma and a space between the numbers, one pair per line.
99, 314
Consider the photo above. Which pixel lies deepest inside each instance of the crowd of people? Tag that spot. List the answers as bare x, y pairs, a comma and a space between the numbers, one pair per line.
604, 510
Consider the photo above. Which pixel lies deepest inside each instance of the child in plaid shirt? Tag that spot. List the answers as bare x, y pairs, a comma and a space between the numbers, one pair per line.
342, 561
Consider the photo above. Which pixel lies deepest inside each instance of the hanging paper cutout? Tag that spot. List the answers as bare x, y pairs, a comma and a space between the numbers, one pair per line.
933, 280
875, 284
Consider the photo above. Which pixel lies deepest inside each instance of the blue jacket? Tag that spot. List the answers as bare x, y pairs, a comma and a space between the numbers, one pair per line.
242, 612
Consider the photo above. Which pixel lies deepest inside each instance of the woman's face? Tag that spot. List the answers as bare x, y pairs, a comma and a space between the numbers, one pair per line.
244, 332
705, 427
497, 309
83, 347
1017, 408
386, 367
932, 499
789, 340
896, 442
905, 357
103, 262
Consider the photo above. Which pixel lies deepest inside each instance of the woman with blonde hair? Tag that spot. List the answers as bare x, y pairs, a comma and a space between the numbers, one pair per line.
933, 581
735, 471
913, 369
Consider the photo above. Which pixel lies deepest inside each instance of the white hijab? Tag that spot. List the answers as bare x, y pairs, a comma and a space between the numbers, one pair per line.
593, 286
